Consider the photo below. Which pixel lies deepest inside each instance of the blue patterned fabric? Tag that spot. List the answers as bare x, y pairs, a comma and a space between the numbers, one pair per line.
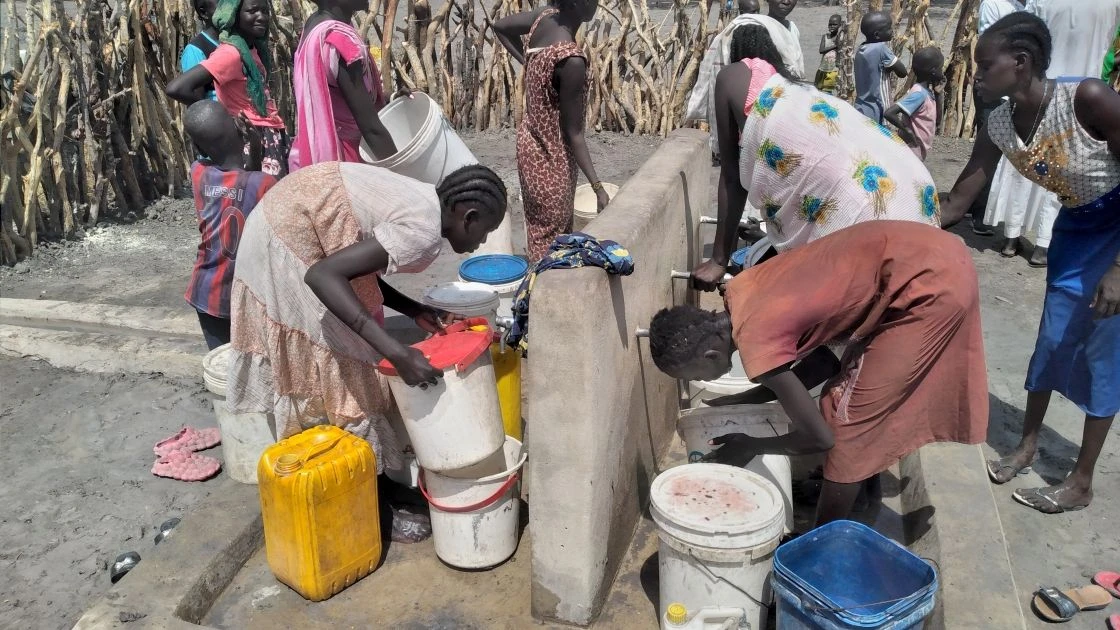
568, 251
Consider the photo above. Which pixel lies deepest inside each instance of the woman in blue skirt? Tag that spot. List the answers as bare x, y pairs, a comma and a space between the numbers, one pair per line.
1063, 134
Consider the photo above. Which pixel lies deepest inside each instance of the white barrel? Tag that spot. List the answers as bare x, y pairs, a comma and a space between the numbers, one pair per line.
718, 528
245, 436
428, 149
697, 426
456, 423
469, 299
587, 204
475, 521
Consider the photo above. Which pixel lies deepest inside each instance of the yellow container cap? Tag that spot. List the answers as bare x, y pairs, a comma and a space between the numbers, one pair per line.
676, 613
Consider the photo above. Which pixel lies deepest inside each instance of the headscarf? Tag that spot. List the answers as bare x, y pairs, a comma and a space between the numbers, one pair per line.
225, 20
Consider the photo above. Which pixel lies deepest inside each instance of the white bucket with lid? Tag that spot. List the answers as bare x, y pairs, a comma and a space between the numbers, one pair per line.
428, 149
469, 299
718, 528
456, 423
587, 204
476, 522
245, 436
697, 426
501, 272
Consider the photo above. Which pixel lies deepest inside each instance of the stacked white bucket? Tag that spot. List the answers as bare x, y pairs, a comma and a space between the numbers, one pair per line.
469, 468
719, 525
244, 436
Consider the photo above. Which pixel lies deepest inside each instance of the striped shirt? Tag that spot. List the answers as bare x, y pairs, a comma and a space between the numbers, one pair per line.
222, 200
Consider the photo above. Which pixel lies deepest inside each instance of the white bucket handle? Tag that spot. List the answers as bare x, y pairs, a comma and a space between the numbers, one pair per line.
474, 507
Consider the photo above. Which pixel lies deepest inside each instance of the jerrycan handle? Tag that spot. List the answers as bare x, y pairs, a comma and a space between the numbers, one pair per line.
322, 447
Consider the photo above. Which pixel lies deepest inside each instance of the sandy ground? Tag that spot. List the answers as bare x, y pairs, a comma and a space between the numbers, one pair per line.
77, 446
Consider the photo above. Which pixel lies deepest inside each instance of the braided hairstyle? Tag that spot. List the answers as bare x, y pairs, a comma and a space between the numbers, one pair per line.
225, 20
752, 41
676, 335
475, 184
1023, 32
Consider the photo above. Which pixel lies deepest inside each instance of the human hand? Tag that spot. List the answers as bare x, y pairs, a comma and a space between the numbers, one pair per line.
734, 449
433, 320
602, 199
707, 275
908, 137
415, 369
404, 91
1106, 301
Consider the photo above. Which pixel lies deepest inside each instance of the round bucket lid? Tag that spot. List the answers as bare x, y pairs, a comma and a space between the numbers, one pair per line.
460, 345
717, 507
460, 297
733, 382
758, 250
493, 269
739, 256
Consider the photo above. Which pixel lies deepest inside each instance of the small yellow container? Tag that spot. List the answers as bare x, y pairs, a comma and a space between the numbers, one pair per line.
507, 372
319, 506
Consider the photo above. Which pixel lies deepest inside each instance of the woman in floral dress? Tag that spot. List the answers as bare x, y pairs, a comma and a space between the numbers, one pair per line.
810, 162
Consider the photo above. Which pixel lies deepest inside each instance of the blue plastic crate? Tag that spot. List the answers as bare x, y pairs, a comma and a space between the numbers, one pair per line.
847, 575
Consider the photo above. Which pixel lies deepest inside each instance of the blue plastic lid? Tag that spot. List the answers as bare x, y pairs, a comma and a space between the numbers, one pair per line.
740, 256
493, 269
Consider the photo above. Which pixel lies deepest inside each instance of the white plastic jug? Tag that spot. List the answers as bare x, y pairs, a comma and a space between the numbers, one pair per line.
677, 617
718, 528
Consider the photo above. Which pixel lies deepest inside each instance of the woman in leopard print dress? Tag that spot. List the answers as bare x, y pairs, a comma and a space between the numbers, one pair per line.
550, 138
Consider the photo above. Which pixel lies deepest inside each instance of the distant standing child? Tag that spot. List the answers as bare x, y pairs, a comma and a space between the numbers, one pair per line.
873, 59
830, 41
224, 195
916, 116
202, 45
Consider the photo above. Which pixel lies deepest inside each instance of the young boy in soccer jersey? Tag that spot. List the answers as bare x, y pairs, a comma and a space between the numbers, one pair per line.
224, 195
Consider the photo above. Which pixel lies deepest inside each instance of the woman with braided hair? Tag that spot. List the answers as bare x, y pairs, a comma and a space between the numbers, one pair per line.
808, 161
308, 296
238, 71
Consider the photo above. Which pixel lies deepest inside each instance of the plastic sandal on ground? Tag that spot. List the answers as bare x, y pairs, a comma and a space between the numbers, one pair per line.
1053, 605
190, 439
1109, 581
186, 466
123, 564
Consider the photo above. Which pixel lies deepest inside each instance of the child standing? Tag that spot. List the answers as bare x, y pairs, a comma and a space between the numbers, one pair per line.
873, 59
224, 195
830, 41
239, 69
918, 113
204, 44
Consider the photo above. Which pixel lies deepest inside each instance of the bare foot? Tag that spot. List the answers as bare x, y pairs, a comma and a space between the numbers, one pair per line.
1005, 469
1010, 248
1038, 258
1064, 497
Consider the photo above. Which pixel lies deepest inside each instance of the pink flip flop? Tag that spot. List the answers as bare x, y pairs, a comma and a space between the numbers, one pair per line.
1110, 581
189, 439
186, 466
1114, 622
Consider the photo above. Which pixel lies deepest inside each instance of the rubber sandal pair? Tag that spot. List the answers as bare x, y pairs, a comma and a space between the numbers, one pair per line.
178, 459
996, 466
128, 560
1056, 606
1114, 622
1109, 581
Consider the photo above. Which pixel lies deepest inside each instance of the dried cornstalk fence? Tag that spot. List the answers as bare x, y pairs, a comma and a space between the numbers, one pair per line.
86, 131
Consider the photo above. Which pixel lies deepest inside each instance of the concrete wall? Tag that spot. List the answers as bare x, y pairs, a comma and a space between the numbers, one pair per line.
592, 451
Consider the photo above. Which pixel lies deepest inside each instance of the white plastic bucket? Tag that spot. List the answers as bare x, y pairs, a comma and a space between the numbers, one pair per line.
475, 522
245, 436
734, 382
718, 527
501, 273
455, 423
469, 299
428, 149
587, 204
697, 426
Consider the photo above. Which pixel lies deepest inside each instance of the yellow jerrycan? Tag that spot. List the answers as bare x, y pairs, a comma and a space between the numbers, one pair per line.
319, 506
